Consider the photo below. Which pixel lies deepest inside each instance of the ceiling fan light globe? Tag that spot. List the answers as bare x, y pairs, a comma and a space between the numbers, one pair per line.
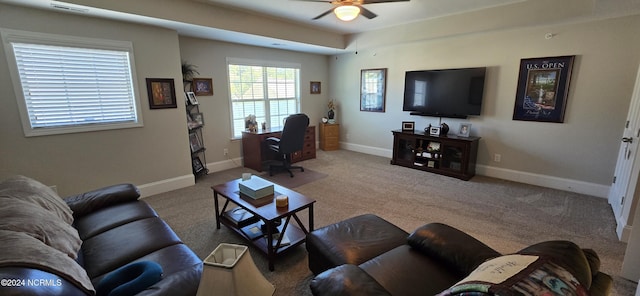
347, 12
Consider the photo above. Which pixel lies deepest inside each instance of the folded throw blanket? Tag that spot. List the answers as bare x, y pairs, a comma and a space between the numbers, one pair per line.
18, 249
515, 275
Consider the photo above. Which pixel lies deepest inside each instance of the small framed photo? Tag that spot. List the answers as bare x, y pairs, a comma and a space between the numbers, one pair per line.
408, 126
197, 165
464, 130
198, 118
434, 131
315, 87
203, 86
194, 142
162, 93
191, 98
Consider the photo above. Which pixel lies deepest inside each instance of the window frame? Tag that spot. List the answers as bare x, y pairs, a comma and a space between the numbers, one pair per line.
10, 36
263, 64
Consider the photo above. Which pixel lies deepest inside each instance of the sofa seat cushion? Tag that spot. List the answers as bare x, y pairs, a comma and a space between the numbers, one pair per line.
566, 254
405, 271
112, 217
119, 246
352, 241
130, 279
181, 269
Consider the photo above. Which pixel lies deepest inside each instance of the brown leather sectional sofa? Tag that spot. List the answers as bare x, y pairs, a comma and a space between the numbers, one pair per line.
115, 229
367, 255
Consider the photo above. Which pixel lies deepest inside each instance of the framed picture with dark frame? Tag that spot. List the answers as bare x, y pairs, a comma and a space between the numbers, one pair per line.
543, 88
194, 142
197, 165
203, 86
315, 87
161, 92
408, 126
373, 87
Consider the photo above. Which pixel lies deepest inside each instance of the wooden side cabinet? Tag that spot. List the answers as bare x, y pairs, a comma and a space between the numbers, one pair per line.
329, 136
309, 149
451, 156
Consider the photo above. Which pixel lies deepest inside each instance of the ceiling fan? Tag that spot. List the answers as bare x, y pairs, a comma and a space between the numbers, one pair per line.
348, 10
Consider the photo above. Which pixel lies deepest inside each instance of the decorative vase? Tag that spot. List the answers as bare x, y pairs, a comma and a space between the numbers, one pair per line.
444, 129
331, 114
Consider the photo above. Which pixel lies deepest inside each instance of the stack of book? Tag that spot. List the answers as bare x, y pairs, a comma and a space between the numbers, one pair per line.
256, 187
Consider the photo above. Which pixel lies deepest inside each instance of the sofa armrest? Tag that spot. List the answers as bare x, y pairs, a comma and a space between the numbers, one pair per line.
346, 280
450, 245
84, 203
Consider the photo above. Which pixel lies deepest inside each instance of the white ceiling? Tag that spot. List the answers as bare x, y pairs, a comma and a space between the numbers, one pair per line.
297, 15
389, 14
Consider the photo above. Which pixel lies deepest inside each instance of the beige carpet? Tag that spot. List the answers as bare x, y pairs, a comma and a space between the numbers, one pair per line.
505, 215
299, 178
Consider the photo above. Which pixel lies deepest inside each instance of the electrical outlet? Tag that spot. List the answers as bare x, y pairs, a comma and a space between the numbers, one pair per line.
497, 157
226, 151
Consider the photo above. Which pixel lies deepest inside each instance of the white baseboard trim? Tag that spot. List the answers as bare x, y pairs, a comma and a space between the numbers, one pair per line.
570, 185
367, 149
167, 185
224, 165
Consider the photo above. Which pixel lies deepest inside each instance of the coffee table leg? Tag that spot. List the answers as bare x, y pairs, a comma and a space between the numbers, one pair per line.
311, 218
270, 250
217, 208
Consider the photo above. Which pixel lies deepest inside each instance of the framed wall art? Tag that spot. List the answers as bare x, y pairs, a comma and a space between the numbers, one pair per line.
203, 86
315, 87
373, 87
161, 92
543, 88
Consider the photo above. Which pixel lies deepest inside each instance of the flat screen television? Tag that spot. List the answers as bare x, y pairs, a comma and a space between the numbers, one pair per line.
454, 93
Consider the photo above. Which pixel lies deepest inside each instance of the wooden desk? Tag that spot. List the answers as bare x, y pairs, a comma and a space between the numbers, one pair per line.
255, 152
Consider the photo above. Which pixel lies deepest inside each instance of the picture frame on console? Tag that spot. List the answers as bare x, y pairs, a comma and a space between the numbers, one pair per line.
373, 87
543, 88
464, 130
434, 131
408, 126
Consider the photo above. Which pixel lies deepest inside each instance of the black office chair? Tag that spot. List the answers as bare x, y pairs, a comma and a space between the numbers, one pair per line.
291, 140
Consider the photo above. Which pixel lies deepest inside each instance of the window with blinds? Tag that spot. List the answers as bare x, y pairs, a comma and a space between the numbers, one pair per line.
79, 87
269, 92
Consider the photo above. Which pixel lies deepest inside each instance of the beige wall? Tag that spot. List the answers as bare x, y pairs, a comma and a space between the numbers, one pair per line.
580, 151
211, 59
82, 161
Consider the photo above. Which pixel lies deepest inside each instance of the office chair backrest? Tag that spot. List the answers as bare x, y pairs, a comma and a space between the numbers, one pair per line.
292, 138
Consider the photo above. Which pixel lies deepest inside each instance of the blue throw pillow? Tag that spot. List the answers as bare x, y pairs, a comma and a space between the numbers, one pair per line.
130, 279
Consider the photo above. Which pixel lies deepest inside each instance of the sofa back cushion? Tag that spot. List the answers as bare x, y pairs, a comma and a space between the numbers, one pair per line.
459, 250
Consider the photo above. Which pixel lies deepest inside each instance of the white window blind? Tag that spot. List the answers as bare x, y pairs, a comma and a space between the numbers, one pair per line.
271, 93
73, 88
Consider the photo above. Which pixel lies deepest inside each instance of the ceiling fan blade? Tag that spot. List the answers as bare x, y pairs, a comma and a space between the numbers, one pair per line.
323, 14
367, 13
382, 1
325, 1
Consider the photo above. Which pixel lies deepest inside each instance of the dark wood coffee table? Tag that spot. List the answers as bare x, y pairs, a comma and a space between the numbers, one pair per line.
266, 211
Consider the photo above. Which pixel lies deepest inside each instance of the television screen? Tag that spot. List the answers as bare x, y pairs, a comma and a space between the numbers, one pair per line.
444, 93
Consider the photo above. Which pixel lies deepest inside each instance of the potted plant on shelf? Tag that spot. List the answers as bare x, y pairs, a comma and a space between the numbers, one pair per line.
188, 71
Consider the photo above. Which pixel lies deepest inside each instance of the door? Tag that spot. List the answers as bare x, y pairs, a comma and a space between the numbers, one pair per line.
622, 191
